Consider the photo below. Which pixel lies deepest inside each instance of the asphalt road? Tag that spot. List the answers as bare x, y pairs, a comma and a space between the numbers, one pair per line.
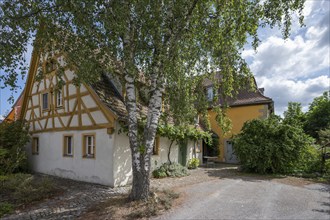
248, 198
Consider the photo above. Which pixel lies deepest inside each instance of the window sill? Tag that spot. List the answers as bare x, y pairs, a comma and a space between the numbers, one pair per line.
89, 156
67, 155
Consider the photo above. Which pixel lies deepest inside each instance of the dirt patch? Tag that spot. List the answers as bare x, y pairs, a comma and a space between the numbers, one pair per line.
294, 181
120, 207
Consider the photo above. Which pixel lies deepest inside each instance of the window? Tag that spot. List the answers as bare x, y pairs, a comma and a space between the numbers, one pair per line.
89, 146
209, 93
155, 149
35, 145
68, 146
45, 101
59, 98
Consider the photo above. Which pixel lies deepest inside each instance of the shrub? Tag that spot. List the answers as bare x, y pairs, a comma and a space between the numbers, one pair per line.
269, 146
13, 137
25, 188
310, 161
6, 208
170, 170
193, 163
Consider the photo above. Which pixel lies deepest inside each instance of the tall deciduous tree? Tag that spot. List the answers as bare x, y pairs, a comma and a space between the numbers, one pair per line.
294, 115
168, 41
318, 115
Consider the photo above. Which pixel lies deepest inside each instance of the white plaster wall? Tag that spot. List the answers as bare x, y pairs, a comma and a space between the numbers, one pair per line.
89, 102
191, 149
50, 159
164, 145
122, 162
122, 159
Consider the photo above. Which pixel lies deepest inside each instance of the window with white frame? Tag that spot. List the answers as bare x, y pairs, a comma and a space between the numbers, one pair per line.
68, 145
45, 101
209, 93
59, 98
89, 146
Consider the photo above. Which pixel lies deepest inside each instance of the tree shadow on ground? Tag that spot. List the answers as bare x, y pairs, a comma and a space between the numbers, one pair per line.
326, 208
232, 171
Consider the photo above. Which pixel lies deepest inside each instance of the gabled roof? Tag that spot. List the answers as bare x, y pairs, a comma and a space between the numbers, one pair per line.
245, 96
111, 97
248, 97
15, 112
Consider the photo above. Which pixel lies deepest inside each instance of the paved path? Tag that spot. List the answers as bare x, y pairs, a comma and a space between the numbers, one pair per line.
251, 198
78, 198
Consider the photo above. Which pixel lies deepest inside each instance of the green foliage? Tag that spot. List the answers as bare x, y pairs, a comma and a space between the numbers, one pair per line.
324, 136
309, 161
170, 170
269, 146
168, 41
213, 148
222, 120
193, 163
26, 188
6, 208
13, 137
318, 116
294, 115
327, 168
180, 133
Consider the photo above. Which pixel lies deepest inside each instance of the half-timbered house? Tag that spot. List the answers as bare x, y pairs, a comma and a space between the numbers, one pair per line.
74, 129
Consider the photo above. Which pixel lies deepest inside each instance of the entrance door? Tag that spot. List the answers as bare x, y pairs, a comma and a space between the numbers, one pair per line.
230, 156
183, 153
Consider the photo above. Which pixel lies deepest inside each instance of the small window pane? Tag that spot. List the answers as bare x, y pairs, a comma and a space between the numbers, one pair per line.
69, 145
45, 100
59, 98
89, 146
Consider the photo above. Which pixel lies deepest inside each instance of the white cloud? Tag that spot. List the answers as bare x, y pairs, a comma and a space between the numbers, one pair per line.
296, 69
283, 91
2, 118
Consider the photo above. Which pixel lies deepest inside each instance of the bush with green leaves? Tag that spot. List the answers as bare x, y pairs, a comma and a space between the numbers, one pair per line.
270, 146
193, 163
6, 208
170, 170
13, 138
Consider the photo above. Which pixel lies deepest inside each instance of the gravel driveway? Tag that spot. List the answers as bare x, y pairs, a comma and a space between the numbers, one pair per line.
226, 194
208, 193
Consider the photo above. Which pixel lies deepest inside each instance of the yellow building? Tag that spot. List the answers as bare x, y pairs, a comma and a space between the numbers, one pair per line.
247, 105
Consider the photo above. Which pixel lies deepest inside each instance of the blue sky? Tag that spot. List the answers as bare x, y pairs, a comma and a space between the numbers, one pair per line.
296, 69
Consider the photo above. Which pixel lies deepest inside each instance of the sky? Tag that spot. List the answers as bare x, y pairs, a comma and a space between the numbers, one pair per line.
292, 70
296, 69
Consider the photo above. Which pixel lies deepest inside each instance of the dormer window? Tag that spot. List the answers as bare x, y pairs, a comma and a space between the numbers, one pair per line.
209, 93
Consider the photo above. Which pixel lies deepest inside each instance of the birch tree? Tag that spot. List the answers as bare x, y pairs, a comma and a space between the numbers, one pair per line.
167, 42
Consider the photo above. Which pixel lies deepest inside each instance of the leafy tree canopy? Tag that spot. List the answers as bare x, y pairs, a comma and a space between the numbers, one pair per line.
167, 41
294, 115
270, 146
318, 116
